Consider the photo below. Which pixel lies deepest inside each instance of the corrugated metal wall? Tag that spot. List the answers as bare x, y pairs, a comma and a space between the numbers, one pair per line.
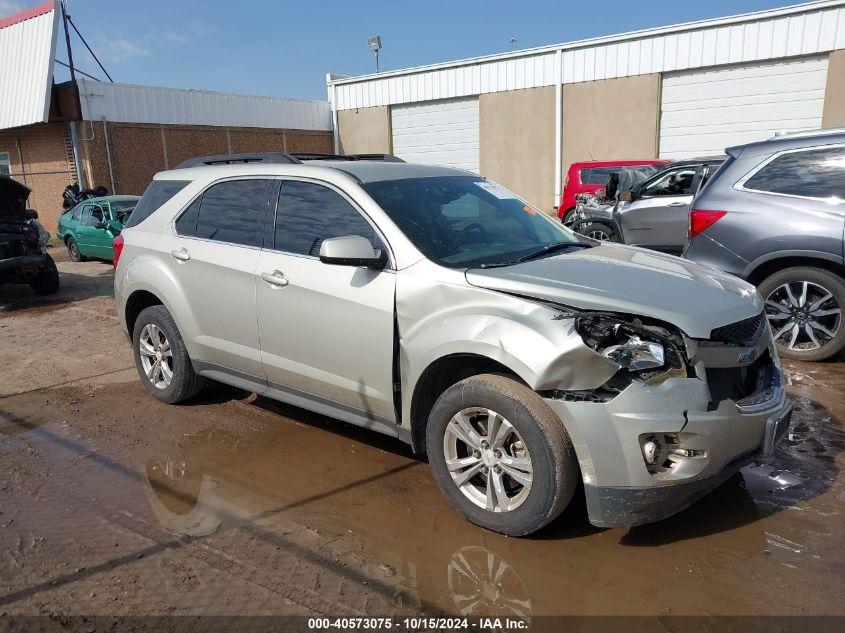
146, 104
27, 50
801, 30
705, 111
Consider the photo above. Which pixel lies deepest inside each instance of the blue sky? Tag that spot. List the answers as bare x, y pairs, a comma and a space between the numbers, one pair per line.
285, 48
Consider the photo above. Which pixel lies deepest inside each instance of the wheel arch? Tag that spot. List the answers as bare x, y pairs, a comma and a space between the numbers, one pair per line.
771, 263
441, 374
136, 303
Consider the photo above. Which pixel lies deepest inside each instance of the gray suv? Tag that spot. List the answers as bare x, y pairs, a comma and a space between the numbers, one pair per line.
774, 214
435, 306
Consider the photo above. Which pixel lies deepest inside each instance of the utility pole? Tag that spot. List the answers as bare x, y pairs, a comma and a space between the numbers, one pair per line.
74, 137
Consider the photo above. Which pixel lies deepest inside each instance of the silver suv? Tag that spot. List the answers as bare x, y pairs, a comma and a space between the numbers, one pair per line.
437, 307
774, 214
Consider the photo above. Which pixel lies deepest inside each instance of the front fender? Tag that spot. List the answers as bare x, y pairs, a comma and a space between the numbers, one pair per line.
447, 316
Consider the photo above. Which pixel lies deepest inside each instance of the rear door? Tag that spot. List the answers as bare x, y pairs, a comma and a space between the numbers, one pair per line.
212, 254
659, 217
326, 330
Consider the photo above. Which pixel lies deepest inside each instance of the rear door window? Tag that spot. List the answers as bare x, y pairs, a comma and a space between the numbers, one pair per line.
234, 211
309, 213
811, 173
597, 175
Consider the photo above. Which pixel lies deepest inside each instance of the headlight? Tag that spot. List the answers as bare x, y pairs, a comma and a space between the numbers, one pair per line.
636, 354
640, 352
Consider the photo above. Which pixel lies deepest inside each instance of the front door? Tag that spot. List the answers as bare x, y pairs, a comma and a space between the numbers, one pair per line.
211, 257
94, 239
326, 330
659, 217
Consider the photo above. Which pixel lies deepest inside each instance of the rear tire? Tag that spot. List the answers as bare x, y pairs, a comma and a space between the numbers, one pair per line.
535, 448
599, 231
161, 358
73, 251
814, 318
46, 282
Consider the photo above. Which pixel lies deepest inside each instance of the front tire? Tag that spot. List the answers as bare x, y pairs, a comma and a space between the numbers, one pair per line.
599, 231
804, 306
500, 455
568, 216
46, 281
161, 358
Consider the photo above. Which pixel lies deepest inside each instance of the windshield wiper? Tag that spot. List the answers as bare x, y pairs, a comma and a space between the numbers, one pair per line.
551, 248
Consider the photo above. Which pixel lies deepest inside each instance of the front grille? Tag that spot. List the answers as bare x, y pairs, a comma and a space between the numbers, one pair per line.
744, 332
738, 383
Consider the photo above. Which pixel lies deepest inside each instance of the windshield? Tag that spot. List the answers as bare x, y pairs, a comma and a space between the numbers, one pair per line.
466, 221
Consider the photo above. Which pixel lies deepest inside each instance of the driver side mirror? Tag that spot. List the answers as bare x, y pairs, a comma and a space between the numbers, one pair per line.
351, 250
30, 214
625, 196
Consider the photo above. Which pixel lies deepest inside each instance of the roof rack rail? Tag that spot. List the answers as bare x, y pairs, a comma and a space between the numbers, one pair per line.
234, 159
388, 158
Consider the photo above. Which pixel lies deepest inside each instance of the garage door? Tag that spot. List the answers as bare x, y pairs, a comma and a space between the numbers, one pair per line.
437, 133
703, 112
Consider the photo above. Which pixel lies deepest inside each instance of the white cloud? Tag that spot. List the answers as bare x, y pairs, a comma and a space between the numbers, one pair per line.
10, 7
174, 38
118, 50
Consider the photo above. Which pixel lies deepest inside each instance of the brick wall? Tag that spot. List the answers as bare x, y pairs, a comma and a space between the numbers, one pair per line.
46, 168
138, 151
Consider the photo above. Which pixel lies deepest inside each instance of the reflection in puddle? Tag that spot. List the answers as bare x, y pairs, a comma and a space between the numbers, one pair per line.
364, 524
483, 583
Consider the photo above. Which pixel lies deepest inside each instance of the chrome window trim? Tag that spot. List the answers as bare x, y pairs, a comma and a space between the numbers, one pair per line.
739, 185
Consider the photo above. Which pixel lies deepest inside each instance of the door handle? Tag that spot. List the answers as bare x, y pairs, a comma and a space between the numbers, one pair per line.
677, 204
276, 278
182, 254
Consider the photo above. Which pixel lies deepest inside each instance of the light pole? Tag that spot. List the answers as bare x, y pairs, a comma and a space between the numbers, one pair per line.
375, 45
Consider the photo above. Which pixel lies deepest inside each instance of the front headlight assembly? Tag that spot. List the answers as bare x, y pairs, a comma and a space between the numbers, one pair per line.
644, 353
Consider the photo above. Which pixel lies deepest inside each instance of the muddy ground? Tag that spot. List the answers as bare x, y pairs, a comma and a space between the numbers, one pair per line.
112, 503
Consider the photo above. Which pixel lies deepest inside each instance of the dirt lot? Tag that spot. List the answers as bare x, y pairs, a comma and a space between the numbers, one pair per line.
114, 504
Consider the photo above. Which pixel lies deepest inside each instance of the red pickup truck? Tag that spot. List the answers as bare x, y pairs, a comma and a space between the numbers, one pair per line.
588, 177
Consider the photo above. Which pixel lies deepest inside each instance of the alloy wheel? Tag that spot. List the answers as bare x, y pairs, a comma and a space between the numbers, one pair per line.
156, 356
488, 459
599, 235
804, 315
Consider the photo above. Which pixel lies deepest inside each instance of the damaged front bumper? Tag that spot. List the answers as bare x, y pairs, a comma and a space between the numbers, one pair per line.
700, 445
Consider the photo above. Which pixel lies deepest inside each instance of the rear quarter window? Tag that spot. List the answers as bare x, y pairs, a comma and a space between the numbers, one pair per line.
158, 193
811, 173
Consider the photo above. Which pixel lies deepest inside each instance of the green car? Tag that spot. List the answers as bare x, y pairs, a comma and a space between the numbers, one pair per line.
89, 228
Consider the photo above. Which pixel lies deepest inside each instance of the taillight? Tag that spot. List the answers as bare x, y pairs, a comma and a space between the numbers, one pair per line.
700, 219
117, 246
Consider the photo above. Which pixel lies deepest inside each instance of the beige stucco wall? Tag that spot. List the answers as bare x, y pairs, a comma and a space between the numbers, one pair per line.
834, 95
364, 130
517, 142
611, 119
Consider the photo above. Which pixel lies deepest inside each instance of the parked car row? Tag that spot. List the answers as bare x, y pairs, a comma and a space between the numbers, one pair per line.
771, 212
435, 306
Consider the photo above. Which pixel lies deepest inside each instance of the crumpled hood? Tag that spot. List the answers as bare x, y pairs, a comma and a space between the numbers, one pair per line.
635, 281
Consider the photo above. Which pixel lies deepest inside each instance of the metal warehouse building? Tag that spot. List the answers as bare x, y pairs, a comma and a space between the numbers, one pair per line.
681, 91
118, 135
